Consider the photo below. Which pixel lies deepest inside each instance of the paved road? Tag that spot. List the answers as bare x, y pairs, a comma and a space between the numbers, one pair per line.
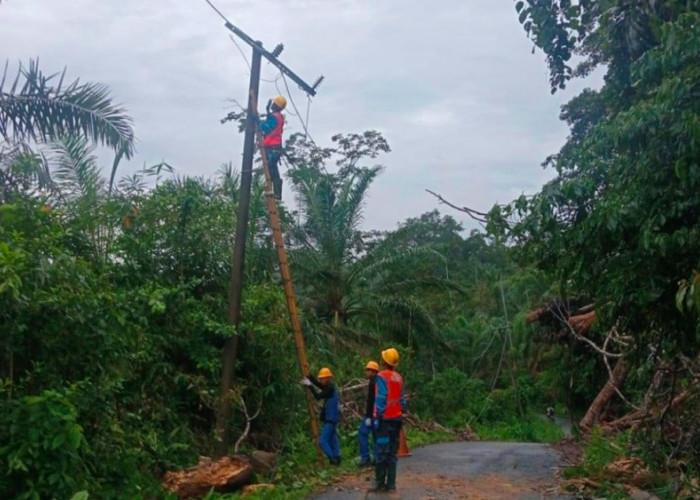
464, 470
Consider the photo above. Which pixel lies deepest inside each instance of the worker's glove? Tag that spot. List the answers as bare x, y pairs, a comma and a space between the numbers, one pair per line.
305, 381
269, 105
376, 423
368, 422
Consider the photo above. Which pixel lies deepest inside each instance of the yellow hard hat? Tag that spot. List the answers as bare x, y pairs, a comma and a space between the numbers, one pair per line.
281, 101
372, 365
325, 373
391, 356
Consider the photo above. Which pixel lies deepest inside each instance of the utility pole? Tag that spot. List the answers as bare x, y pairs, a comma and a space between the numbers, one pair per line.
236, 285
230, 352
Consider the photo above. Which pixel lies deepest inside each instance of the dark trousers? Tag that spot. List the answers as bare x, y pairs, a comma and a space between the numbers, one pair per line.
274, 153
388, 442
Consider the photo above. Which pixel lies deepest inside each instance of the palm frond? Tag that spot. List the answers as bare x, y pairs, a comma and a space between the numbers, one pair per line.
22, 168
76, 168
358, 193
38, 110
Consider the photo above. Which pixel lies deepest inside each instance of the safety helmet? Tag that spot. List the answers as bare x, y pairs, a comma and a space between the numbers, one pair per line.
372, 365
281, 101
325, 373
391, 356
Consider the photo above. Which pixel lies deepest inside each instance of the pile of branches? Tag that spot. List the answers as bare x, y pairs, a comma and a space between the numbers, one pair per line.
665, 419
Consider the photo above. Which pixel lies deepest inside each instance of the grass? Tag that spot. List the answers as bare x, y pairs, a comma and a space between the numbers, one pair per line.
533, 430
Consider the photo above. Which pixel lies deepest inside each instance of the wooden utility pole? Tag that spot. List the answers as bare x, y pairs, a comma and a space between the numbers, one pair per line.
236, 285
230, 353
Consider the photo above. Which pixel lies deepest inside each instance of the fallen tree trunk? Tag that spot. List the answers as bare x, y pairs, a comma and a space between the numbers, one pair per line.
610, 388
638, 417
224, 475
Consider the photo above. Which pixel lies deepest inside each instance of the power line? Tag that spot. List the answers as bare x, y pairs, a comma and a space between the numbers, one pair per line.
308, 110
291, 99
217, 10
245, 58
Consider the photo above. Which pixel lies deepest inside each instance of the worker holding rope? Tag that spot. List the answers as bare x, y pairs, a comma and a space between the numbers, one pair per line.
272, 128
330, 414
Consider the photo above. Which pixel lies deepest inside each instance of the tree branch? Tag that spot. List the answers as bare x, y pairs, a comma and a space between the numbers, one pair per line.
474, 214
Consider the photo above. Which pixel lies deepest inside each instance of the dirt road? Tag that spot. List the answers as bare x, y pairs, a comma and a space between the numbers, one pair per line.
465, 470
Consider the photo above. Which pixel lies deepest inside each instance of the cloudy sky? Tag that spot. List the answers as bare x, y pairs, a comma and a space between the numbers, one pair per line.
452, 84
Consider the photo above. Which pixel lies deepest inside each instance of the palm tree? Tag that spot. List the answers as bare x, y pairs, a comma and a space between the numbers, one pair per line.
341, 284
35, 108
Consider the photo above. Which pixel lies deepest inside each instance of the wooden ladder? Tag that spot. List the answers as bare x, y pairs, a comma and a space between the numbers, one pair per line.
289, 294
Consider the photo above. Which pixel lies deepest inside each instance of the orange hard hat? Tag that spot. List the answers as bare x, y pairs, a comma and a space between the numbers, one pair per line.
372, 365
325, 372
391, 356
281, 101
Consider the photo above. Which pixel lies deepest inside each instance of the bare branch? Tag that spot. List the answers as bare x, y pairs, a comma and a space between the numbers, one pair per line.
474, 214
248, 419
349, 388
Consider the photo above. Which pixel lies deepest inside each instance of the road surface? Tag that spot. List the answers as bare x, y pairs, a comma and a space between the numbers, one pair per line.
464, 470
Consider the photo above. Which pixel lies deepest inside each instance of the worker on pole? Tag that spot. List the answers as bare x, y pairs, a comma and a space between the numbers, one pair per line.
330, 413
389, 407
272, 128
366, 425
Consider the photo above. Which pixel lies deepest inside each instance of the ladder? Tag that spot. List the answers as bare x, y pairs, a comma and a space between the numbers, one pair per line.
289, 294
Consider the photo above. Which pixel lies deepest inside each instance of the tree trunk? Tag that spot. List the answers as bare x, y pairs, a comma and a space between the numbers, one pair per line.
592, 416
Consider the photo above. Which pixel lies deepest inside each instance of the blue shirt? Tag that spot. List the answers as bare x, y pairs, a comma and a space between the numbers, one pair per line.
269, 124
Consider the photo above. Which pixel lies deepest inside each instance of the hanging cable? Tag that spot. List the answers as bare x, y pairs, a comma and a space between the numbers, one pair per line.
245, 58
291, 99
308, 110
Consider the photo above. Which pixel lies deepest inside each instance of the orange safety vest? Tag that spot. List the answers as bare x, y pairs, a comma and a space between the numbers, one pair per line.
274, 137
394, 385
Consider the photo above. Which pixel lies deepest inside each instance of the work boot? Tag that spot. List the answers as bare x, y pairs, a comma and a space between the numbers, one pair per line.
379, 478
391, 478
277, 185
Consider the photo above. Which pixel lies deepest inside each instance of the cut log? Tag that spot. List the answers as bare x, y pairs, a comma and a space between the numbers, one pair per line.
536, 314
592, 416
583, 322
224, 475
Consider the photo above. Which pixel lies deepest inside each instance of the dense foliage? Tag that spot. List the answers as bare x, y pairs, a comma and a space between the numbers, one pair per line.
113, 294
619, 225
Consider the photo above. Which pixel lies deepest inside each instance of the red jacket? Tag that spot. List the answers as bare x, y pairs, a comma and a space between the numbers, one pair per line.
272, 129
389, 402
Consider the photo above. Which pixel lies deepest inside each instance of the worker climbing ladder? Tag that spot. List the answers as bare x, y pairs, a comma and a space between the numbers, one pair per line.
289, 294
252, 133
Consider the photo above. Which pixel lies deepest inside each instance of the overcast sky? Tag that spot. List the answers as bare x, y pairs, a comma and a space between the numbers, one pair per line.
452, 84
